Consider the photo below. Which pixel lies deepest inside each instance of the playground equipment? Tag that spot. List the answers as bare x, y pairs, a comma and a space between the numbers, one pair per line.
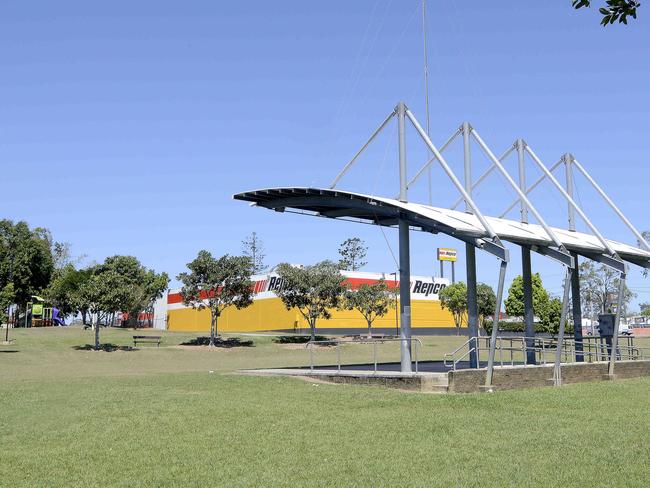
477, 231
40, 315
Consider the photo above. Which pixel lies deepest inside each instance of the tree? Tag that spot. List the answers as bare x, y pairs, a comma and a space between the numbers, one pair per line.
546, 309
599, 286
352, 252
143, 286
25, 259
486, 301
371, 301
614, 11
454, 298
63, 291
104, 292
62, 255
645, 309
155, 285
313, 290
133, 284
216, 284
515, 301
7, 298
551, 315
253, 248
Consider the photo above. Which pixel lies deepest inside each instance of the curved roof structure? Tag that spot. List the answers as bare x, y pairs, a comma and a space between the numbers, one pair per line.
339, 204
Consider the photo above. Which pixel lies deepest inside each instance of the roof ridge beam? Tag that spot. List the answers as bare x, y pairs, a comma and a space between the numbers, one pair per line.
514, 185
531, 188
609, 201
486, 174
433, 158
572, 202
452, 176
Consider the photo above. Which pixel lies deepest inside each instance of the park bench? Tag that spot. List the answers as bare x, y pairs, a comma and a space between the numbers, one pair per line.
146, 339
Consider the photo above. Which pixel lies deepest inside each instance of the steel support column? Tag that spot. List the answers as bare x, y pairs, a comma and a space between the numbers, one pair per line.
521, 163
495, 325
575, 276
557, 370
617, 323
529, 312
404, 249
467, 163
470, 257
405, 296
472, 304
576, 310
401, 135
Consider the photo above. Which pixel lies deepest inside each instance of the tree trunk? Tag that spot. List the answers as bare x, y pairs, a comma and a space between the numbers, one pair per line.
213, 329
369, 326
97, 333
312, 326
83, 317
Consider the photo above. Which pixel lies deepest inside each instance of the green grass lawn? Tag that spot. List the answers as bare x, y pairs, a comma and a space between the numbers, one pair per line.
159, 417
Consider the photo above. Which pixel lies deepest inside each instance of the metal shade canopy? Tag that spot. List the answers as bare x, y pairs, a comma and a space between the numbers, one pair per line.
340, 204
476, 230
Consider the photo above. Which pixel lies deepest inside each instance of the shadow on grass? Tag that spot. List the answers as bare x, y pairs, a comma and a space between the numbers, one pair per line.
219, 342
104, 347
8, 350
303, 339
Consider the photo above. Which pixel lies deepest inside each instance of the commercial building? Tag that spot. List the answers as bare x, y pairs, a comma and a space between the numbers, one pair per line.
268, 313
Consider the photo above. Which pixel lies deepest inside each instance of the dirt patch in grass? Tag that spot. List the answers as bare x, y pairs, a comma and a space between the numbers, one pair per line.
220, 343
104, 348
304, 346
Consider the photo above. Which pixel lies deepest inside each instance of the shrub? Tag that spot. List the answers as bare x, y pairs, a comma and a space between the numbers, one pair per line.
518, 326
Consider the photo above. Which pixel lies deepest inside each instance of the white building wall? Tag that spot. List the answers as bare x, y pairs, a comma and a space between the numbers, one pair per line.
160, 313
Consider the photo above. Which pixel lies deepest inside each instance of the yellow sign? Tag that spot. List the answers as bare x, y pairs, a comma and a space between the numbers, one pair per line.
37, 309
446, 254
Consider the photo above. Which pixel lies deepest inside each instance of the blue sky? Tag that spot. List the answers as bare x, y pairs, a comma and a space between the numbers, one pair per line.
125, 127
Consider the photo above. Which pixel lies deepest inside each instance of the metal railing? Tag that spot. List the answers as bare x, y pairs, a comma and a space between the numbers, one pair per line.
516, 350
338, 342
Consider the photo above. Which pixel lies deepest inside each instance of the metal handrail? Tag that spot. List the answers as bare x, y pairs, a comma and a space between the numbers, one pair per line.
455, 351
374, 342
542, 346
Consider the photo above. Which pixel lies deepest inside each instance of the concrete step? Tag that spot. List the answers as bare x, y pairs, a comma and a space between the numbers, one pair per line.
434, 383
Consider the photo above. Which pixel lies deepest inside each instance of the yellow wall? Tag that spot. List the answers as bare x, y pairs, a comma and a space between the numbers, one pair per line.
270, 314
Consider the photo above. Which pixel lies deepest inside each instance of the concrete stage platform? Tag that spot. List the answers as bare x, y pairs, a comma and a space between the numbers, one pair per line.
434, 377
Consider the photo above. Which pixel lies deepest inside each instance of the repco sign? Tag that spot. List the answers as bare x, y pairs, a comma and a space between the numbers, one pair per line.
426, 288
275, 283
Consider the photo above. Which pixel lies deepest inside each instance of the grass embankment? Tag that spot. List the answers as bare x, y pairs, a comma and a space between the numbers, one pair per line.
158, 417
